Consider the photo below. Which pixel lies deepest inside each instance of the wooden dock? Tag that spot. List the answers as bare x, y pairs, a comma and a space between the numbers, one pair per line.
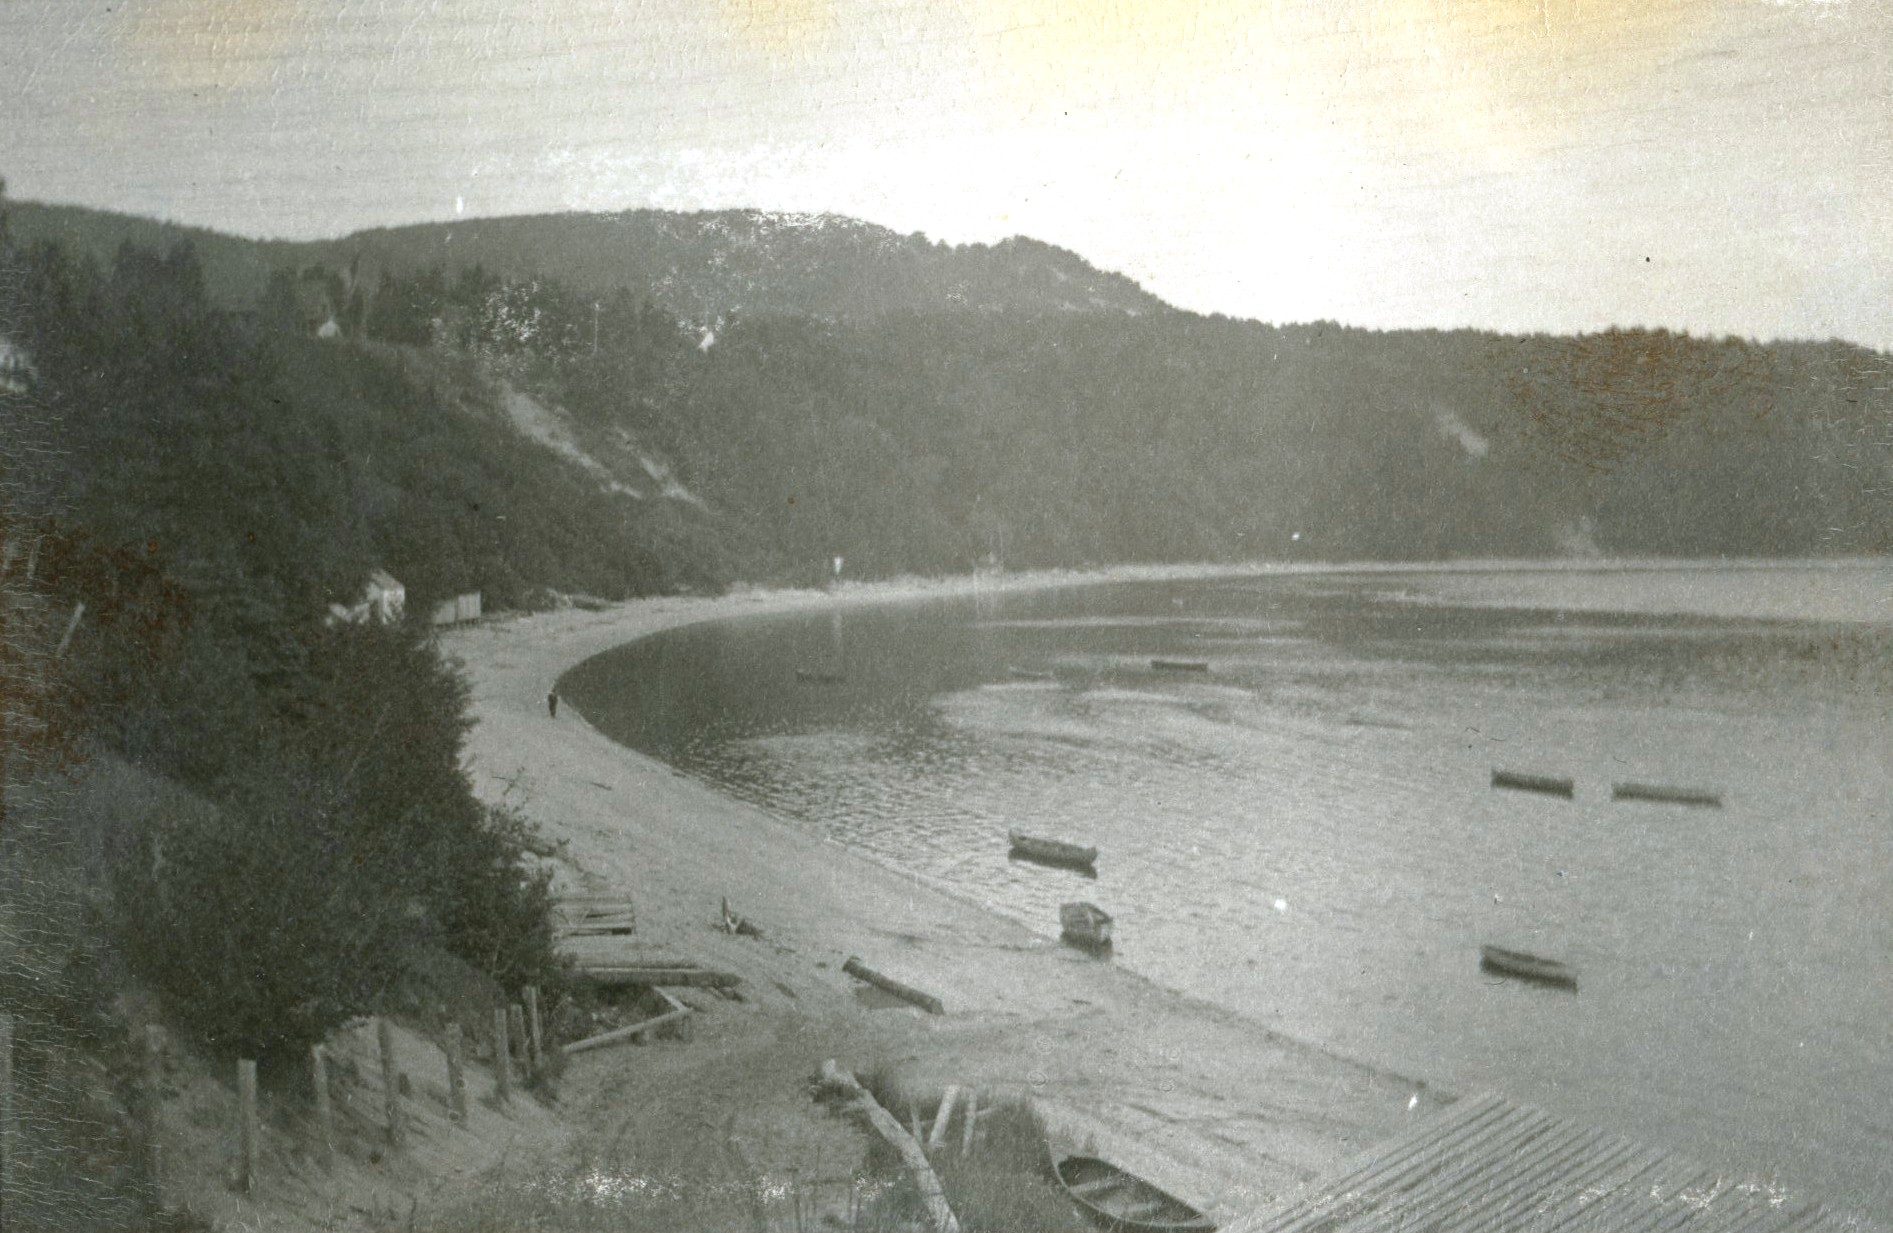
1490, 1165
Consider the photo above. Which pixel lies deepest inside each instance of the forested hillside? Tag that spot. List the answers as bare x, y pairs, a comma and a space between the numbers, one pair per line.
752, 395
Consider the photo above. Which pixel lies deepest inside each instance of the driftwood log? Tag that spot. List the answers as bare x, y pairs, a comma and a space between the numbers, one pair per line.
931, 1194
906, 993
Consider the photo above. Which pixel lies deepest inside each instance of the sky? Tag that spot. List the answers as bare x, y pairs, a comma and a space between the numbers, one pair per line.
1716, 166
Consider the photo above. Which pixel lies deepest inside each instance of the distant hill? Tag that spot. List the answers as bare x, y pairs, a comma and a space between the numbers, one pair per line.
910, 406
700, 267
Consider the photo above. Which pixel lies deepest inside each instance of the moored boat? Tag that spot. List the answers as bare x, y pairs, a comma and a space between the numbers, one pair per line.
1051, 851
1121, 1201
1085, 924
1527, 967
1549, 785
1180, 665
1666, 795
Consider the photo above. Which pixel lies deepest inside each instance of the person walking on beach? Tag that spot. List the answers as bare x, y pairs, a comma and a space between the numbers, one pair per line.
552, 704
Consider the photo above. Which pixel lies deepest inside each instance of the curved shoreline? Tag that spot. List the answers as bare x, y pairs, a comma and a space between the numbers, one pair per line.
1218, 1107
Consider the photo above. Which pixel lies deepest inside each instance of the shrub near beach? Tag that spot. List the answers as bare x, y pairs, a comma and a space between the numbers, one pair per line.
193, 523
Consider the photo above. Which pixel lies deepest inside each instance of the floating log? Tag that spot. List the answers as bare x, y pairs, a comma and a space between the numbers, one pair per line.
654, 977
906, 993
1179, 665
1665, 795
620, 1035
931, 1193
1549, 785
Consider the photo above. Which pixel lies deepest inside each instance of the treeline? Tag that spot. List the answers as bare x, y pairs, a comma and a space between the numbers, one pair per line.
182, 492
927, 442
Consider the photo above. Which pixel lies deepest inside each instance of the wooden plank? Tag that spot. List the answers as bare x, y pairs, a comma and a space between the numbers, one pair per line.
948, 1099
620, 1035
931, 1194
906, 993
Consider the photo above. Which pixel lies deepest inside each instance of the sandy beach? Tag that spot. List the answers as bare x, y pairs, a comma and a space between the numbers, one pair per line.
1210, 1105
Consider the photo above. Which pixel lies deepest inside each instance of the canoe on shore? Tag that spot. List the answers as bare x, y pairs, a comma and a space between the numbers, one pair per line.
1051, 851
1527, 967
1123, 1201
1085, 924
1180, 665
1550, 785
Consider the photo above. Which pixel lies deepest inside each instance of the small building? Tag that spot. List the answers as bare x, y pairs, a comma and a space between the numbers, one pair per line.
383, 601
465, 607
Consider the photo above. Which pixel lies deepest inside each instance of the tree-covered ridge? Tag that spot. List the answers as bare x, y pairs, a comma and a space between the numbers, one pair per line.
701, 267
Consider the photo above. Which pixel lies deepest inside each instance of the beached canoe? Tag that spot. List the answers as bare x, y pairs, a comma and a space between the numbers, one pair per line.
1085, 924
1180, 665
1527, 967
1052, 851
1121, 1201
812, 676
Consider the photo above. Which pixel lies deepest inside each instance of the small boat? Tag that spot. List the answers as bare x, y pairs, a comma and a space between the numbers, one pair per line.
1527, 967
813, 676
1031, 674
1123, 1202
1180, 665
1550, 785
1085, 924
1052, 851
1665, 795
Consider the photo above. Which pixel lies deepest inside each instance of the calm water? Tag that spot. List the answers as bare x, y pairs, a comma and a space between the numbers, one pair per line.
1307, 833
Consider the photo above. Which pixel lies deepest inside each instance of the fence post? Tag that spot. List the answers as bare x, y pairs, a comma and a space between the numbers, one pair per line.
502, 1056
456, 1074
153, 1120
246, 1125
390, 1083
325, 1110
516, 1033
9, 1127
536, 1045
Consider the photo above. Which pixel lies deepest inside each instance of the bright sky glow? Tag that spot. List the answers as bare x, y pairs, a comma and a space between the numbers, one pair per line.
1721, 166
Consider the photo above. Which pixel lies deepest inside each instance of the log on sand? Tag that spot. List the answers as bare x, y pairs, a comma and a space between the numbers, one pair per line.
941, 1216
906, 993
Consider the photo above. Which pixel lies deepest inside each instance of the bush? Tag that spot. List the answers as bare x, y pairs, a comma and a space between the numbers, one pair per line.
259, 924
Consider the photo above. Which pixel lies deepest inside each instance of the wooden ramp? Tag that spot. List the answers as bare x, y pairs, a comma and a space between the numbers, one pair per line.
1485, 1165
